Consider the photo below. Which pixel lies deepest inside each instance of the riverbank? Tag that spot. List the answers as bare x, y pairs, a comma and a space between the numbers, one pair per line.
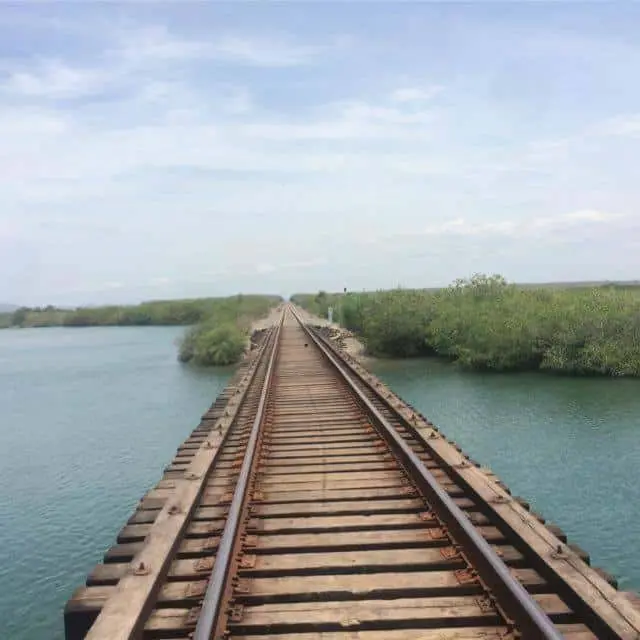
486, 324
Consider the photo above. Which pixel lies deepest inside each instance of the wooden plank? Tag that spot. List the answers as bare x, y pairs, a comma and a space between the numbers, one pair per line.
133, 533
363, 539
295, 428
349, 523
569, 631
376, 465
370, 585
338, 523
354, 561
284, 486
195, 569
345, 461
338, 615
324, 494
320, 449
337, 452
339, 507
465, 633
138, 532
83, 608
345, 476
301, 563
107, 574
359, 437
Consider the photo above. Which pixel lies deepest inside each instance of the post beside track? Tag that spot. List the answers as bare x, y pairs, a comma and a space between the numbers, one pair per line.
313, 504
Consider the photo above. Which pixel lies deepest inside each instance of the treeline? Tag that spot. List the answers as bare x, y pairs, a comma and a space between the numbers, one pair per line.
484, 323
159, 312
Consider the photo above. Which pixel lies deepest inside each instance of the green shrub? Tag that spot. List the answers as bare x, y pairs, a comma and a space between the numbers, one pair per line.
209, 344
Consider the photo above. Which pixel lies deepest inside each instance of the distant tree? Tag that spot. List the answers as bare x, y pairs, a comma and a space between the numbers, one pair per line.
19, 316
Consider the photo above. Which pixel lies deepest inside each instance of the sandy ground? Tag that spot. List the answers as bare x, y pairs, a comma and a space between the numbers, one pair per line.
351, 344
268, 321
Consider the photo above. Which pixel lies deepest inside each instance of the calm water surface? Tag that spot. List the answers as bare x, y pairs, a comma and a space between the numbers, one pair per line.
89, 418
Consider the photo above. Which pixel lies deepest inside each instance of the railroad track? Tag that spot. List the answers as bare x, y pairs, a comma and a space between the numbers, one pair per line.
316, 510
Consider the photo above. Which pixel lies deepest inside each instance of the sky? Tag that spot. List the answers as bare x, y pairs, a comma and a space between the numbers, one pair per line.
159, 150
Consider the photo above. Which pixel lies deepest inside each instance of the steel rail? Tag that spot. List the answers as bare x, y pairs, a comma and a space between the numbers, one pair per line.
531, 622
214, 596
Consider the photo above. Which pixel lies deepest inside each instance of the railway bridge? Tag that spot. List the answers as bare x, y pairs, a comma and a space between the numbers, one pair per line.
311, 503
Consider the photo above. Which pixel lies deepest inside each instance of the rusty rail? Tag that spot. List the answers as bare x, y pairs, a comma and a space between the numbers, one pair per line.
214, 598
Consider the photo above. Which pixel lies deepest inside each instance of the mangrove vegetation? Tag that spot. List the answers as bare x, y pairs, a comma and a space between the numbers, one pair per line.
485, 323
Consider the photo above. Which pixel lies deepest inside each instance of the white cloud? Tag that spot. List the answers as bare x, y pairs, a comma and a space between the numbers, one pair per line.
261, 52
624, 125
541, 225
592, 216
53, 79
139, 46
136, 51
415, 94
156, 43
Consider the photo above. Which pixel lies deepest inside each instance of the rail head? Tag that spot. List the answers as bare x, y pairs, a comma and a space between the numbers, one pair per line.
510, 595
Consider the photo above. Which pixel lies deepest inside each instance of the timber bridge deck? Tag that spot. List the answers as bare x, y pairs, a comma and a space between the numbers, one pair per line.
313, 504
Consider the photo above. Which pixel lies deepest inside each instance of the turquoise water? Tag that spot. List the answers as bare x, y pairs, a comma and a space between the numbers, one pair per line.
570, 446
88, 420
90, 417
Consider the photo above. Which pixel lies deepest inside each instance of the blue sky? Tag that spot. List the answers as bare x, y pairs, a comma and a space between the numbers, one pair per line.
154, 150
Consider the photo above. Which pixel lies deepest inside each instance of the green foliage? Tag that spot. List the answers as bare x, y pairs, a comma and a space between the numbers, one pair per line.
486, 323
211, 344
222, 337
318, 303
18, 317
160, 312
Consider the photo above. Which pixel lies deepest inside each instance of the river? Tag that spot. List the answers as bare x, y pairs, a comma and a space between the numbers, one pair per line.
89, 418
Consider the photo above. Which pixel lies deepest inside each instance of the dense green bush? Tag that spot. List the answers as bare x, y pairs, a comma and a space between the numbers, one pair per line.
486, 323
211, 344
